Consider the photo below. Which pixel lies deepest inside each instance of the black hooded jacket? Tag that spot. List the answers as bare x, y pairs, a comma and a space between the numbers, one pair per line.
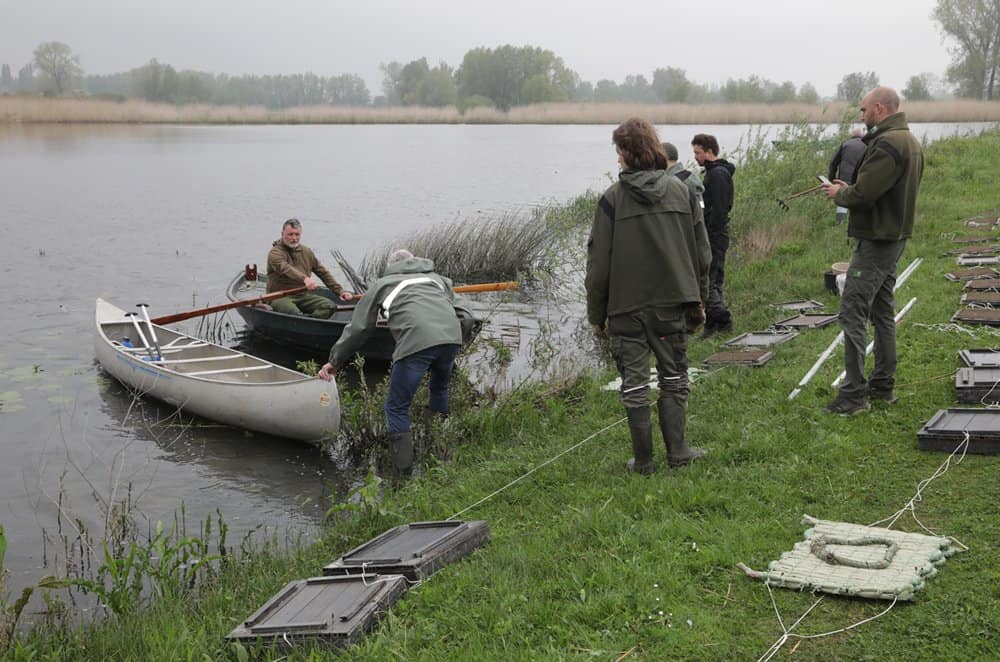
718, 196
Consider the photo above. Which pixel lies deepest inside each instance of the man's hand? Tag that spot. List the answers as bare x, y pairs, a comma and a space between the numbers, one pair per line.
346, 296
327, 372
830, 190
310, 283
694, 317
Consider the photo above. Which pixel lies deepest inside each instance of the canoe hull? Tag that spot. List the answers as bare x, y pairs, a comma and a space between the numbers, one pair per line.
216, 382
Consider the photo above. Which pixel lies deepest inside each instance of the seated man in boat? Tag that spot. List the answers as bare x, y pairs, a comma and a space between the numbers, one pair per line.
419, 306
291, 264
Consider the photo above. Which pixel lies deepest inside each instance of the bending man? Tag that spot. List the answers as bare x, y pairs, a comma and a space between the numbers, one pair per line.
420, 308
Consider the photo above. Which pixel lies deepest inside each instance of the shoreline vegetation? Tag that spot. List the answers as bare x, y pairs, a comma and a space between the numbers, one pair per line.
21, 110
588, 562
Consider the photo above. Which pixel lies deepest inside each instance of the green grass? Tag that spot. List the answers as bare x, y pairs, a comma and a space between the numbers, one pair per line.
583, 557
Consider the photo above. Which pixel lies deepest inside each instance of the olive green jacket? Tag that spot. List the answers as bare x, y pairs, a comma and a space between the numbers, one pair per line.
692, 180
883, 198
418, 305
648, 247
287, 268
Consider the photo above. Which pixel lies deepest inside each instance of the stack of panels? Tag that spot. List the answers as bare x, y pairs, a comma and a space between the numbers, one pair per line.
978, 386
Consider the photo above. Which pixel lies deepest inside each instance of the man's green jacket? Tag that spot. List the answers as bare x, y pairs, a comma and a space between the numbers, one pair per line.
418, 304
648, 247
883, 198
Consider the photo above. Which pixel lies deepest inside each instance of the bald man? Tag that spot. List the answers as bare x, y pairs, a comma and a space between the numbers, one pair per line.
882, 203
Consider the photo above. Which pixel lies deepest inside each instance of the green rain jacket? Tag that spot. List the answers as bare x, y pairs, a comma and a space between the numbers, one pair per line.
287, 268
648, 247
691, 179
883, 198
419, 305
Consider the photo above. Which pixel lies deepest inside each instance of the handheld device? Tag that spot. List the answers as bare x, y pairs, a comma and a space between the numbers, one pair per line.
822, 179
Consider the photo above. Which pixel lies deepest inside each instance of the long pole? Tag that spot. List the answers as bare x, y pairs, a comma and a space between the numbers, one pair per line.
840, 336
142, 337
871, 345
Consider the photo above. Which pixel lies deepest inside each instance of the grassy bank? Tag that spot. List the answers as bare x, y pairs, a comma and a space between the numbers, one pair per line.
587, 562
38, 110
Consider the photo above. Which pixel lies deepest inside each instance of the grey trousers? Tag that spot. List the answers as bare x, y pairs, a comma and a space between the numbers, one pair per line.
662, 332
868, 295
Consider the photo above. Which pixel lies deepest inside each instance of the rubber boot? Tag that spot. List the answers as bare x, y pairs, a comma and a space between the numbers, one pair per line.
401, 452
428, 416
672, 420
641, 429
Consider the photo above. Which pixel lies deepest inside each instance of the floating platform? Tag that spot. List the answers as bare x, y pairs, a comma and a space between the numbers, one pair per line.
332, 611
762, 338
986, 298
975, 386
948, 428
980, 358
799, 305
415, 550
987, 316
808, 321
983, 284
969, 274
972, 239
973, 260
751, 357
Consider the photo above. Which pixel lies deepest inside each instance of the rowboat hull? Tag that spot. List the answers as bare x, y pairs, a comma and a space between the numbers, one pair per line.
315, 335
216, 382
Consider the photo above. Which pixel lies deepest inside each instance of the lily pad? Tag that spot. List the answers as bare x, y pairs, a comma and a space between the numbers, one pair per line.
10, 401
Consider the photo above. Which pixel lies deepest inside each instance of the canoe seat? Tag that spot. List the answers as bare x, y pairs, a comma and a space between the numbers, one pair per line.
202, 359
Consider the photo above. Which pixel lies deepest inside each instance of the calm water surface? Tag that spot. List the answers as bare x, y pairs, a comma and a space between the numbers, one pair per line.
167, 215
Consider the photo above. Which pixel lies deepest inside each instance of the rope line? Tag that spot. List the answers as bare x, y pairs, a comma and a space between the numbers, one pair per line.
543, 464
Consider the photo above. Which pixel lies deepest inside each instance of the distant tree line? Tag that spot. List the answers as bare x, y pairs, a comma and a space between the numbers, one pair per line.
509, 76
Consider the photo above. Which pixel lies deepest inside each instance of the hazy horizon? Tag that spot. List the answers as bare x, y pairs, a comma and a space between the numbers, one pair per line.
800, 42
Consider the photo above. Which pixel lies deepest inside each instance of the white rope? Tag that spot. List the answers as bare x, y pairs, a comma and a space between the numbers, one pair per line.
910, 507
543, 464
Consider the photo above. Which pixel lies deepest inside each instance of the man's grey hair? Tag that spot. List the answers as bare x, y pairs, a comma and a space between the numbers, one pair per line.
291, 223
398, 255
858, 132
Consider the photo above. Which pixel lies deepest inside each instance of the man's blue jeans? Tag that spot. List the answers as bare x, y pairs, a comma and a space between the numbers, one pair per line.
405, 379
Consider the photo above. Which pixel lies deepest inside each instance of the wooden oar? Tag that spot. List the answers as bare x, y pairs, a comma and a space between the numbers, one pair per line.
179, 317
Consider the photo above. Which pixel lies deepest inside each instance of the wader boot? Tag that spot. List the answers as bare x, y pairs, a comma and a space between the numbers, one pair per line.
401, 452
641, 429
679, 454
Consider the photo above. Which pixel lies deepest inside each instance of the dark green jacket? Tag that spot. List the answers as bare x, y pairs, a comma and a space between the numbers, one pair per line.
883, 198
287, 268
421, 314
648, 247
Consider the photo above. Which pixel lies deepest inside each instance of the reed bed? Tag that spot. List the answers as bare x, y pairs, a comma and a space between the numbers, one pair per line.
39, 110
504, 248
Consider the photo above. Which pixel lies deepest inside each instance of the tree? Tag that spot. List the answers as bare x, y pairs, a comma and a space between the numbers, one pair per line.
974, 27
917, 89
606, 90
808, 93
855, 85
502, 73
6, 80
671, 85
784, 93
56, 60
390, 82
25, 78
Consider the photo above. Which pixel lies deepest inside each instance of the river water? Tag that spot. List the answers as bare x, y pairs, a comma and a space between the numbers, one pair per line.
167, 215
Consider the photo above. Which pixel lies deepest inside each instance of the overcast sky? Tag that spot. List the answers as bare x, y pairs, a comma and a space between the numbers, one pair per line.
804, 41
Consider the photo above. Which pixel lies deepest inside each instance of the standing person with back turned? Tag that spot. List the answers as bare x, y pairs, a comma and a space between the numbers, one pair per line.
718, 198
882, 201
845, 162
420, 308
647, 276
290, 264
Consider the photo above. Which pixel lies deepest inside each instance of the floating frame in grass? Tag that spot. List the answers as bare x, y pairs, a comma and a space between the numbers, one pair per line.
949, 428
750, 357
762, 338
983, 284
969, 274
987, 316
799, 305
980, 358
807, 321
